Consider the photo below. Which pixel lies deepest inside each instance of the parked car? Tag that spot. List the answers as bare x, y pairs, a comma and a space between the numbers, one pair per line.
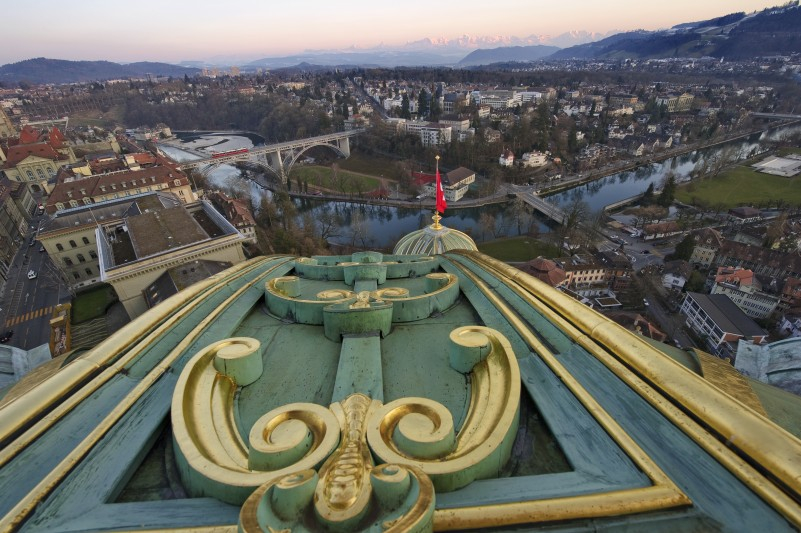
5, 337
31, 274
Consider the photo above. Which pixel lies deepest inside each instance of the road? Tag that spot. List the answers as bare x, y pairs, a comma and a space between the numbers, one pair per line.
27, 304
669, 322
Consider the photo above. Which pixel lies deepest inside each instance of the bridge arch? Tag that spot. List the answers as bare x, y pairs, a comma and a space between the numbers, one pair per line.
278, 158
294, 158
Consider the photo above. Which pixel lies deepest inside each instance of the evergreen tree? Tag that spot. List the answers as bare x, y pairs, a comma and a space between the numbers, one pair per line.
668, 191
648, 195
684, 250
422, 103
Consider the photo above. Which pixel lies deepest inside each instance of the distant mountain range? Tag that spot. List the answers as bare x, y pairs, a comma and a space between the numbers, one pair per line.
507, 53
774, 31
42, 70
434, 51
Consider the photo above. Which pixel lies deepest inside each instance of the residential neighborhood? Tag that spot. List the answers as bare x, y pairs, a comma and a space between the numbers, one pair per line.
77, 191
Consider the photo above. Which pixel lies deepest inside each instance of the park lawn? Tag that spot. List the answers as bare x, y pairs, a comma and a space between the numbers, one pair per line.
320, 176
92, 303
372, 166
518, 249
741, 186
95, 117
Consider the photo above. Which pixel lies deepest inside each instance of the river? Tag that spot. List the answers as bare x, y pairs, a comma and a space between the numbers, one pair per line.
616, 187
383, 226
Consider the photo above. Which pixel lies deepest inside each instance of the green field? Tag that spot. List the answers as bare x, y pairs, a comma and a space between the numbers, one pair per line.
322, 177
741, 186
373, 165
518, 249
95, 117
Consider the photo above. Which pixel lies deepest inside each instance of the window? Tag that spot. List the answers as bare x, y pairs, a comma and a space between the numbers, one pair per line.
41, 174
92, 254
30, 174
85, 240
72, 243
68, 261
59, 247
88, 271
76, 275
59, 206
81, 258
73, 203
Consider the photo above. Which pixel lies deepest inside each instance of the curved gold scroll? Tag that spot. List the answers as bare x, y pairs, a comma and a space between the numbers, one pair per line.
213, 458
419, 432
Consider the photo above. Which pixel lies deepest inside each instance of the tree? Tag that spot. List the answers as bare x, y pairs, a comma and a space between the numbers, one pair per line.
684, 250
648, 195
404, 111
487, 224
436, 110
695, 283
775, 230
668, 191
572, 140
422, 103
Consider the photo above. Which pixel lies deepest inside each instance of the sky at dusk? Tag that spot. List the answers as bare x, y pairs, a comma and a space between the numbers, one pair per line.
244, 30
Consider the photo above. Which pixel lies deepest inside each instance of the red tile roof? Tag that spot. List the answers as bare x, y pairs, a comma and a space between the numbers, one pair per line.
29, 135
545, 270
90, 186
20, 152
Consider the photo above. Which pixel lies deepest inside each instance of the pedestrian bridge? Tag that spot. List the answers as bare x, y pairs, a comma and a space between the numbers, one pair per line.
276, 158
548, 209
776, 115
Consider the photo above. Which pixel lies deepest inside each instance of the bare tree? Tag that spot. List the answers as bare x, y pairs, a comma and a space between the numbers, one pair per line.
328, 223
359, 228
487, 224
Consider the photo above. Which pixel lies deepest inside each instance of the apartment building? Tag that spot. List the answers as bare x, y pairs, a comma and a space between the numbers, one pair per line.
717, 320
745, 290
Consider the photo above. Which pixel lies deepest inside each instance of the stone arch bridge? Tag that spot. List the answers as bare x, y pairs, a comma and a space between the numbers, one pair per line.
276, 158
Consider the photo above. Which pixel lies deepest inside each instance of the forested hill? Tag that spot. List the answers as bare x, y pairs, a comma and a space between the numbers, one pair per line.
43, 70
773, 31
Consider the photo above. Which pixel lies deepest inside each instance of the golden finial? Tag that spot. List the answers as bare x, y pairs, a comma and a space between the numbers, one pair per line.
436, 218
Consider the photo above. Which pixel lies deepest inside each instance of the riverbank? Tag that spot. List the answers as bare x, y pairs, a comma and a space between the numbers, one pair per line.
565, 184
578, 180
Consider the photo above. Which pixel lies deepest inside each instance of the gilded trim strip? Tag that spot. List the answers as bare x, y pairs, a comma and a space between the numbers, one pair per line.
726, 378
16, 415
662, 381
28, 503
662, 495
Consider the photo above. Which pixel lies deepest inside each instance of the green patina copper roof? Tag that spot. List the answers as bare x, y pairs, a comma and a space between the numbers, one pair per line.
313, 367
430, 241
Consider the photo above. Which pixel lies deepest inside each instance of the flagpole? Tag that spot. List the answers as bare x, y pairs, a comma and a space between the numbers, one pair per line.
436, 218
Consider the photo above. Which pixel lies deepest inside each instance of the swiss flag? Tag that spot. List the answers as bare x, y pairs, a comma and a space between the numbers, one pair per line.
441, 205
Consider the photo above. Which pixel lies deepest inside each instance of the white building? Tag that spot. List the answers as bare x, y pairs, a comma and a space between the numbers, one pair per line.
534, 159
745, 290
454, 184
717, 320
507, 158
431, 134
